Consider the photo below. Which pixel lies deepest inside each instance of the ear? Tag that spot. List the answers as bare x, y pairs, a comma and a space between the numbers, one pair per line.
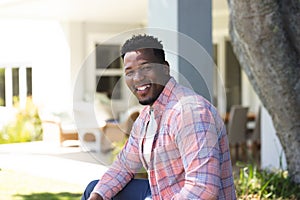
166, 68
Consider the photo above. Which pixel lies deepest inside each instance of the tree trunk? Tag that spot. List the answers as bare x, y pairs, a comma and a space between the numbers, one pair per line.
266, 39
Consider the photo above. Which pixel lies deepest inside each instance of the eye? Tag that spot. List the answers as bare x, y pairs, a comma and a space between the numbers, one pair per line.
129, 73
147, 68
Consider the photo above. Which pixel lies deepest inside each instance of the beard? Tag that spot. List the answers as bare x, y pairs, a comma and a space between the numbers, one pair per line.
149, 101
154, 94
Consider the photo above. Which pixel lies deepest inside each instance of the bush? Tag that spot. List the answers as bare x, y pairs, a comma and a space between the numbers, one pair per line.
25, 127
265, 184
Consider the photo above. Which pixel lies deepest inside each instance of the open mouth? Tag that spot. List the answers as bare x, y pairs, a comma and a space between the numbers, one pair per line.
143, 87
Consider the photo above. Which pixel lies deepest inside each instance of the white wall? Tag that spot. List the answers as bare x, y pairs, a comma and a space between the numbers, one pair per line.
41, 43
74, 32
271, 149
56, 50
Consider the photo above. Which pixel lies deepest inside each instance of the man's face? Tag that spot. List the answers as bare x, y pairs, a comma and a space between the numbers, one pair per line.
144, 75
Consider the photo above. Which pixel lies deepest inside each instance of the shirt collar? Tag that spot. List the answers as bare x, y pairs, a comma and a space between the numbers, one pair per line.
163, 99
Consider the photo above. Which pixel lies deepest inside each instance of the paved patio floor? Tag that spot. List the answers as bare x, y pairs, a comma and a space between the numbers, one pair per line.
68, 164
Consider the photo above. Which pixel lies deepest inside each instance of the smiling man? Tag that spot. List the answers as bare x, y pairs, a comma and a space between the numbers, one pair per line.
179, 137
145, 75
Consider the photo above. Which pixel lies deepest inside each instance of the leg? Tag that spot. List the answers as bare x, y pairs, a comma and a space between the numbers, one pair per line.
88, 190
136, 189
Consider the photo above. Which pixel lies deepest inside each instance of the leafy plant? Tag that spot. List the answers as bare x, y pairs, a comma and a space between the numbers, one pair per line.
118, 146
25, 127
253, 183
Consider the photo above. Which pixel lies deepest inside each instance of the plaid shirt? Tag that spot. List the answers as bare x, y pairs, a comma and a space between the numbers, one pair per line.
190, 156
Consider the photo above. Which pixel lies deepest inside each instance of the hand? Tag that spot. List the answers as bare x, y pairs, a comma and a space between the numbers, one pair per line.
95, 196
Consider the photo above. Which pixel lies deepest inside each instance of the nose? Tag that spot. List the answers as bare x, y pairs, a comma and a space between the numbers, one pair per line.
138, 75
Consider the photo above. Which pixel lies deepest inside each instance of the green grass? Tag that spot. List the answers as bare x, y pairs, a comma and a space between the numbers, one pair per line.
21, 186
253, 183
49, 196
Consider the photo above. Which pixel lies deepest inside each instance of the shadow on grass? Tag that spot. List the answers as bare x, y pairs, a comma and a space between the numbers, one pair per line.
50, 196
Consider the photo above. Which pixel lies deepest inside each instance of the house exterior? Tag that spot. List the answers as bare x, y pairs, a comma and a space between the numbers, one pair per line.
56, 41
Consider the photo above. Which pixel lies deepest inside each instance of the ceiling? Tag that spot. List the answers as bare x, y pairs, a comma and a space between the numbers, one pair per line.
108, 11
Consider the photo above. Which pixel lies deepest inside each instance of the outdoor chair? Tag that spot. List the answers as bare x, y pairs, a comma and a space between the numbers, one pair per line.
103, 137
255, 134
116, 132
55, 131
237, 129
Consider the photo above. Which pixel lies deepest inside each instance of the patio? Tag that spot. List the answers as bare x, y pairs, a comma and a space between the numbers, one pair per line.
66, 164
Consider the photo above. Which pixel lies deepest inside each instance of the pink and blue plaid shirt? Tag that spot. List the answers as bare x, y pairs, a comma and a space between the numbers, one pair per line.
190, 155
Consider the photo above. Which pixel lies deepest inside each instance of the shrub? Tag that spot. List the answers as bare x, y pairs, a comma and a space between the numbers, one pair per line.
265, 184
25, 127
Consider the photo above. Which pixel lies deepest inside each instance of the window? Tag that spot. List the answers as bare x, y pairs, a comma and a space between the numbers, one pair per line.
108, 57
108, 70
15, 84
109, 85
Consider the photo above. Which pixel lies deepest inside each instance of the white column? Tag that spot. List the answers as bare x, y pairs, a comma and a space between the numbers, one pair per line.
186, 32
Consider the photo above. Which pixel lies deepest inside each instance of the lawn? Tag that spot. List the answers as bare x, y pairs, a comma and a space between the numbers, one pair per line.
21, 186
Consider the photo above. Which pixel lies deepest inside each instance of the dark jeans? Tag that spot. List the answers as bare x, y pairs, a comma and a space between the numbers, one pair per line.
136, 189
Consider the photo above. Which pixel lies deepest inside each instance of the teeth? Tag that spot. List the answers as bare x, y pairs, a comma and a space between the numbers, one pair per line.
143, 87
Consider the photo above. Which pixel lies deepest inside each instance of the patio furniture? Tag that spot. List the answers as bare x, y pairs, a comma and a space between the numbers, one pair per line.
97, 133
255, 134
103, 138
237, 128
56, 132
89, 117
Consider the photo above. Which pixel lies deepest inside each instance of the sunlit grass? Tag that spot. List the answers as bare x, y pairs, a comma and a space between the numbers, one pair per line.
22, 186
253, 183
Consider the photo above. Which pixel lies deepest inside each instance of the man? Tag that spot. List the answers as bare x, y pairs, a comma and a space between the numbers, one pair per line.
179, 137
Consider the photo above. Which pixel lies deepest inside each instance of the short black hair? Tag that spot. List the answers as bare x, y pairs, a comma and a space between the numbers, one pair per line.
144, 41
